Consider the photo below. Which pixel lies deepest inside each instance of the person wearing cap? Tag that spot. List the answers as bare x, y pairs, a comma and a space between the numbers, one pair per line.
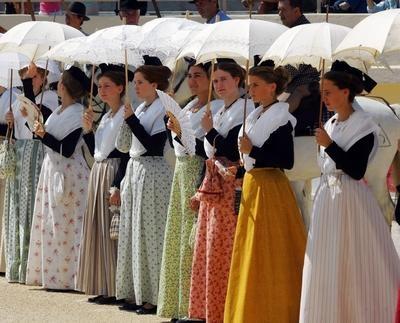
351, 269
131, 10
60, 200
19, 200
75, 15
209, 10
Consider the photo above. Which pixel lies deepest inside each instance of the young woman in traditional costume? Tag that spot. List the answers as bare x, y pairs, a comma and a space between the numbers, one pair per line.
60, 201
217, 220
4, 107
145, 192
351, 268
176, 265
20, 190
267, 260
98, 255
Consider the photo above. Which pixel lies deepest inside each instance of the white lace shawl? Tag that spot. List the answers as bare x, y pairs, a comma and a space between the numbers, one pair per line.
61, 125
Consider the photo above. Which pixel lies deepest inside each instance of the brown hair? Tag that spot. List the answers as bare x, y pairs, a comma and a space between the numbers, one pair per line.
279, 76
345, 80
74, 88
156, 74
117, 77
233, 69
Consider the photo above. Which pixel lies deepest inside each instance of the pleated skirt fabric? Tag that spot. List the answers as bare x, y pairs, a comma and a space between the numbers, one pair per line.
268, 253
216, 226
98, 253
351, 268
176, 266
19, 201
2, 232
145, 193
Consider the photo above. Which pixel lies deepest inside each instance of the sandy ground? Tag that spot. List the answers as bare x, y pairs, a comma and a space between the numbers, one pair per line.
20, 303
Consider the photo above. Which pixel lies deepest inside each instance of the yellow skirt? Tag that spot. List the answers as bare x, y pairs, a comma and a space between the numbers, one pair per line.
268, 253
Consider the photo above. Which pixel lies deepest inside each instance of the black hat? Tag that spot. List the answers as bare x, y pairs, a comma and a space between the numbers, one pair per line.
80, 77
79, 9
226, 60
117, 68
132, 5
152, 60
367, 82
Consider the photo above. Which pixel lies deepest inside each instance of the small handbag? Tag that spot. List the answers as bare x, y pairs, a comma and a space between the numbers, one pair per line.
58, 179
8, 158
114, 224
124, 138
210, 189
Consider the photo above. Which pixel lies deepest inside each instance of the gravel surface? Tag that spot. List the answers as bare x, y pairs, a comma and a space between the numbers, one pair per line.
20, 303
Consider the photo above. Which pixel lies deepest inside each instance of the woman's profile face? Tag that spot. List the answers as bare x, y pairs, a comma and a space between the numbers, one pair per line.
198, 80
143, 88
334, 97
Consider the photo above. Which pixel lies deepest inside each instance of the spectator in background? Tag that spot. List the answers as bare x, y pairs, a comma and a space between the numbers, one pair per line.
131, 10
349, 6
302, 91
209, 10
373, 7
50, 8
75, 15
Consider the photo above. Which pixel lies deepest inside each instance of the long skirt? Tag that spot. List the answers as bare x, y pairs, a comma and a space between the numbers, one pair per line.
57, 222
144, 204
19, 200
98, 254
176, 265
2, 231
268, 253
351, 268
212, 253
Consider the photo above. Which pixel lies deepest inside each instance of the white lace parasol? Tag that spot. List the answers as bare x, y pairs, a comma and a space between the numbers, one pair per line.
184, 132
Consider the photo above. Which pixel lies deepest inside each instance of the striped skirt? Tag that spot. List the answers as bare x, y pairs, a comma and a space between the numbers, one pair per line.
19, 201
351, 268
145, 193
176, 266
2, 231
268, 253
98, 253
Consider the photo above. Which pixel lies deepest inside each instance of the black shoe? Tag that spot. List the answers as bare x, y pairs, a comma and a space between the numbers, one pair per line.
106, 300
129, 307
146, 311
94, 299
174, 320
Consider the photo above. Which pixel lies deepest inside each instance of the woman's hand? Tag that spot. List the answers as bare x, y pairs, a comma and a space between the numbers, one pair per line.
194, 203
38, 129
87, 120
244, 144
115, 198
127, 110
207, 121
322, 137
10, 118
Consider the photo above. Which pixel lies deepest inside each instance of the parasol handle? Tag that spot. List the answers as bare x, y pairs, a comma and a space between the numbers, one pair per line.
321, 101
42, 94
250, 3
91, 89
127, 99
11, 85
246, 85
210, 87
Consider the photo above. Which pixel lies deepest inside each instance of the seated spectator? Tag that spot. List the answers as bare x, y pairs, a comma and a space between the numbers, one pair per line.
373, 7
209, 10
131, 10
349, 6
76, 15
50, 8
